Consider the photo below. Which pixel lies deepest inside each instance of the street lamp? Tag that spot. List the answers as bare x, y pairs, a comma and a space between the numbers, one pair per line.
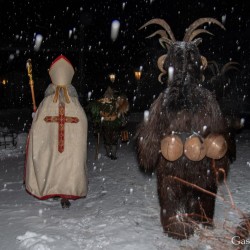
138, 75
4, 81
112, 77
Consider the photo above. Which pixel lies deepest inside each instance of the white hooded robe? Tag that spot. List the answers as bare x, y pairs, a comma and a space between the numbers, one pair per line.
49, 172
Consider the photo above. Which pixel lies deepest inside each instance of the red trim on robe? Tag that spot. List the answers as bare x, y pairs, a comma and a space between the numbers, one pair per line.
69, 197
66, 196
58, 58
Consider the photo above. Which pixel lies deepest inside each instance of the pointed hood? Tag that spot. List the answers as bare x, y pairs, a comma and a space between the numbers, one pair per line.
109, 93
61, 71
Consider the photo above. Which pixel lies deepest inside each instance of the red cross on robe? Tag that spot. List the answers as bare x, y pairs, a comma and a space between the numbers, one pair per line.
61, 119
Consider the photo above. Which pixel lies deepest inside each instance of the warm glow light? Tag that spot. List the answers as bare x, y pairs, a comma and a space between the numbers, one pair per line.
137, 75
112, 77
4, 82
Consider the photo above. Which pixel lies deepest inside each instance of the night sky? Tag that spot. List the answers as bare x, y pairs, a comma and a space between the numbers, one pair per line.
81, 31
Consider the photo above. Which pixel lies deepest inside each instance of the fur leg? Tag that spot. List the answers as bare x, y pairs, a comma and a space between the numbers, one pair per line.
174, 218
113, 152
108, 150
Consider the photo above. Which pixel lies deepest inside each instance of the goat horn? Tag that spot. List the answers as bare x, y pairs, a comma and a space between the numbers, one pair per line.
165, 41
160, 76
204, 62
199, 22
228, 66
197, 32
162, 33
197, 41
163, 24
215, 64
160, 63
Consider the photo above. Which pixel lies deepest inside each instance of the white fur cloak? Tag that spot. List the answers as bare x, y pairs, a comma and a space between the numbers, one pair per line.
48, 172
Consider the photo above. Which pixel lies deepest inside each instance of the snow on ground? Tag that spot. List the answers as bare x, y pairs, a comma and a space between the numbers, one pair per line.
120, 212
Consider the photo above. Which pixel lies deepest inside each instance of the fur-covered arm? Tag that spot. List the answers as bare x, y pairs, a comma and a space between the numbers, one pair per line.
218, 125
148, 137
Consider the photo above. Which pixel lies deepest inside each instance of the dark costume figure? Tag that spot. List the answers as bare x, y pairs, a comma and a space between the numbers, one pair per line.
184, 137
109, 117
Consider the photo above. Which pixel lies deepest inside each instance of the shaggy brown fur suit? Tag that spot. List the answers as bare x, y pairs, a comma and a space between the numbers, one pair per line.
184, 107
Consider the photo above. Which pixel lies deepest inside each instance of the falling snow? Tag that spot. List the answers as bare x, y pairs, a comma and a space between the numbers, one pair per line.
121, 210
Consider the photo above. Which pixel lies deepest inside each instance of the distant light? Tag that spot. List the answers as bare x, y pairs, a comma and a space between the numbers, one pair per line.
138, 75
115, 26
4, 81
112, 77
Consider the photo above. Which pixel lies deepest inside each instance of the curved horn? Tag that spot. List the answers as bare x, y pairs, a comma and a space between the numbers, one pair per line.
162, 33
163, 24
199, 22
165, 42
196, 33
160, 76
204, 62
228, 66
197, 41
160, 63
215, 65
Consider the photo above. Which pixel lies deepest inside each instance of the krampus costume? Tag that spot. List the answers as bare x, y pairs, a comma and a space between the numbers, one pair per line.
184, 137
109, 117
57, 142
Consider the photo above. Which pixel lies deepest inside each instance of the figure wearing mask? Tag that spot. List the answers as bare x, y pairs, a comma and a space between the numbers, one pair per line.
108, 115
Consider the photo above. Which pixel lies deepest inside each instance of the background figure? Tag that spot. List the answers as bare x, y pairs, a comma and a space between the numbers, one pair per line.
109, 117
57, 142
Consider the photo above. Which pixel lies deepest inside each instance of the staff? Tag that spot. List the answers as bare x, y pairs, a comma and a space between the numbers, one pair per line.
31, 83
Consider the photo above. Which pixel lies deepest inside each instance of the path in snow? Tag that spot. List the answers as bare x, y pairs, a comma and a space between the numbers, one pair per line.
121, 209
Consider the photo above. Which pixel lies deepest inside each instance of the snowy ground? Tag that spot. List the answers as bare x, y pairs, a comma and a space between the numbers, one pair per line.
121, 211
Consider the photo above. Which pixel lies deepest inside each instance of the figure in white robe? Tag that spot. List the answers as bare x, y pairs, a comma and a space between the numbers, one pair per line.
57, 143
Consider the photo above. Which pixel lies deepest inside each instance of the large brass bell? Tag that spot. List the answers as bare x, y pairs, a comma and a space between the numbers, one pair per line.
194, 148
172, 147
216, 146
